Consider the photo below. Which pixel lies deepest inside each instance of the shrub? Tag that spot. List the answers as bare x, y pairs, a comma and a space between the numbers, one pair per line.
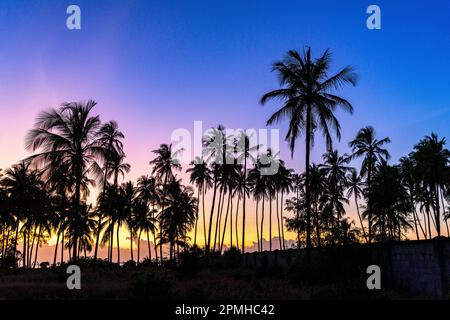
44, 265
231, 258
130, 264
153, 285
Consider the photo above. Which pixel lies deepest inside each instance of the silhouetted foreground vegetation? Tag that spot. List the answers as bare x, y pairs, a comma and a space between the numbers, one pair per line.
194, 279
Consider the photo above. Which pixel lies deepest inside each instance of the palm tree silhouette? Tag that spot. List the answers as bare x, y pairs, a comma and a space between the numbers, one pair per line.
366, 145
68, 135
144, 221
309, 103
244, 151
200, 175
149, 192
163, 165
355, 190
110, 138
432, 160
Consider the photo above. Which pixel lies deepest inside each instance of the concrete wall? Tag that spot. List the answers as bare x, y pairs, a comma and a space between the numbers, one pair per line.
422, 267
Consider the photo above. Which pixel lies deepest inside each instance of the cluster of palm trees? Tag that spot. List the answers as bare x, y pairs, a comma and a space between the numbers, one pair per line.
46, 194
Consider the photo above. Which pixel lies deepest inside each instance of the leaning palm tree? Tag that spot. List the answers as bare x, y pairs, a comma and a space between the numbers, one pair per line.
366, 145
355, 190
309, 102
68, 135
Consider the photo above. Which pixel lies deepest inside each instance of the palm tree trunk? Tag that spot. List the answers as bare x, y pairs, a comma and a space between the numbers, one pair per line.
196, 219
316, 215
270, 222
307, 189
369, 202
62, 247
262, 224
225, 223
161, 222
278, 221
154, 234
257, 224
437, 210
56, 249
243, 202
211, 218
236, 229
149, 250
282, 218
118, 245
15, 242
139, 247
231, 222
204, 217
219, 218
443, 210
131, 245
37, 246
360, 219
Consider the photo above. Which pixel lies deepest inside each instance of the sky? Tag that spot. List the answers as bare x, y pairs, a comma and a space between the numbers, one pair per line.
156, 66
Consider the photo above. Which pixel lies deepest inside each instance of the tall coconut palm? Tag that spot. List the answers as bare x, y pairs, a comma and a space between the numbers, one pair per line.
309, 102
366, 145
391, 204
215, 150
149, 192
335, 168
68, 135
432, 164
144, 221
200, 175
110, 138
244, 152
163, 165
355, 190
178, 216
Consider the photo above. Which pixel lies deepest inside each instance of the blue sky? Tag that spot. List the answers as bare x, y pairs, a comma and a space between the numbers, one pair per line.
159, 65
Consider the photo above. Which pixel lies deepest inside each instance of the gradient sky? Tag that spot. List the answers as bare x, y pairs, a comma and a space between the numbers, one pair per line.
155, 66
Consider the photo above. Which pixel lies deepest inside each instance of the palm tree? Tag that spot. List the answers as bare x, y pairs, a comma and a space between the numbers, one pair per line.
163, 165
432, 164
216, 153
366, 145
241, 190
110, 138
309, 103
144, 221
283, 186
149, 192
244, 151
200, 175
178, 216
335, 170
68, 135
355, 190
23, 187
391, 204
